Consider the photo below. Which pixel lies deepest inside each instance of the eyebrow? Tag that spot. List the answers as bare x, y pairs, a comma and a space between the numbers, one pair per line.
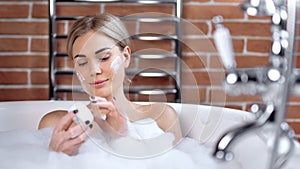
102, 49
81, 56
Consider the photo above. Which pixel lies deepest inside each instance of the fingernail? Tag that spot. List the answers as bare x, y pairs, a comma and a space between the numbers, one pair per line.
75, 111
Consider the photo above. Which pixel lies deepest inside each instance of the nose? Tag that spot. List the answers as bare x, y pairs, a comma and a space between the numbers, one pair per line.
96, 68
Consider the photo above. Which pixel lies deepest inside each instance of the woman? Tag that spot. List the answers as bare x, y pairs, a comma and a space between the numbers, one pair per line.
99, 47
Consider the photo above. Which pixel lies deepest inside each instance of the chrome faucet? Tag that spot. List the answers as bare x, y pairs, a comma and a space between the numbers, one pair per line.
273, 83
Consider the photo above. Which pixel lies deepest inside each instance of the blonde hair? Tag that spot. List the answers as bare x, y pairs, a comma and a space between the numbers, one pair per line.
106, 23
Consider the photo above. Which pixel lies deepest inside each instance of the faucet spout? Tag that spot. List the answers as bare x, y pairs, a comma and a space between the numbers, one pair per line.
224, 144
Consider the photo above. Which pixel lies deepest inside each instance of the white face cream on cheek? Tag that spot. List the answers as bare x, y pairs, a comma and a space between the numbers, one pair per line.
116, 64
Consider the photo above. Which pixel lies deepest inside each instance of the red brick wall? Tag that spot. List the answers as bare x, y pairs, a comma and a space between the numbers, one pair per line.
24, 49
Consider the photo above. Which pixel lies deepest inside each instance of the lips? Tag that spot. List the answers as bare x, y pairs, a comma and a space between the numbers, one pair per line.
99, 83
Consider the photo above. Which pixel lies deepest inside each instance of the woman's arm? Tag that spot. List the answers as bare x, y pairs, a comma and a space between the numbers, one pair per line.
67, 137
168, 121
51, 119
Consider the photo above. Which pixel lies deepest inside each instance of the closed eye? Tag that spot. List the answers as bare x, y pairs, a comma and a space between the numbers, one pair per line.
105, 58
82, 63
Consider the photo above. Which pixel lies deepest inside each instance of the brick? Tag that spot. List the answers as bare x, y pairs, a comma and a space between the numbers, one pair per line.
40, 11
39, 78
76, 96
78, 9
24, 94
23, 61
221, 96
194, 28
160, 64
215, 62
61, 45
138, 45
151, 81
295, 126
193, 95
65, 79
13, 77
194, 62
156, 98
260, 46
138, 10
60, 62
9, 11
267, 18
294, 98
208, 12
298, 44
161, 28
249, 29
202, 78
207, 45
243, 61
197, 45
252, 61
293, 112
28, 28
60, 27
13, 44
39, 45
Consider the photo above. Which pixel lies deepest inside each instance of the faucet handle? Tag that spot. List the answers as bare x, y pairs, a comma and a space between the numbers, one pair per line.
223, 43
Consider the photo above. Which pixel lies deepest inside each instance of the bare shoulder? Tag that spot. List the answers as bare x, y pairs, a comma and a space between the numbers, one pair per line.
51, 119
168, 120
165, 114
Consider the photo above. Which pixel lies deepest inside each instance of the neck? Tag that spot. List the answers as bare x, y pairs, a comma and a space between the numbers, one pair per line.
121, 101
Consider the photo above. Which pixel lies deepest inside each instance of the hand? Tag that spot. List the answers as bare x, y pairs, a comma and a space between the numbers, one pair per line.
115, 123
67, 138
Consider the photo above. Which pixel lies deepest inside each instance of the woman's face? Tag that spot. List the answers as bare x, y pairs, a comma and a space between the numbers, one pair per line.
100, 64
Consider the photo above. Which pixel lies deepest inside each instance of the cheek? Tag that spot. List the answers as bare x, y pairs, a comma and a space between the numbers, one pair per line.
115, 65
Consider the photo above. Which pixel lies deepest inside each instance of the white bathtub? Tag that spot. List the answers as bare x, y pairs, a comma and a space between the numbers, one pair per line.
203, 123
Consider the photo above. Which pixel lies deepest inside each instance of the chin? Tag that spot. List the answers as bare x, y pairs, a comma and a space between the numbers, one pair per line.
102, 92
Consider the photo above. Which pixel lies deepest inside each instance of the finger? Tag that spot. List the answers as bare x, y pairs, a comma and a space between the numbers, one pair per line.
72, 150
105, 105
97, 99
65, 122
73, 144
97, 111
75, 131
